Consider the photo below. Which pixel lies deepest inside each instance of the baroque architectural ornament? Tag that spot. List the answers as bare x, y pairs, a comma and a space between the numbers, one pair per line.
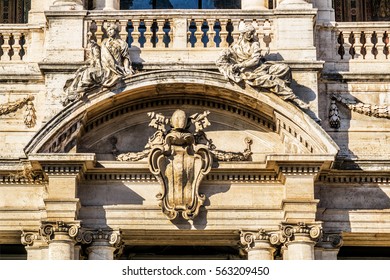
243, 61
29, 114
334, 115
49, 229
179, 163
371, 110
108, 64
289, 231
180, 157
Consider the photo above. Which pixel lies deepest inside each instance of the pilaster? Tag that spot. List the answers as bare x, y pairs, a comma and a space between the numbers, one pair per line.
299, 204
257, 244
63, 173
103, 244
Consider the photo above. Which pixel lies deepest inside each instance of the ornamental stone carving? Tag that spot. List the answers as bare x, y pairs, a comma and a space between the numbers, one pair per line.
243, 62
179, 164
48, 230
334, 115
249, 238
29, 114
28, 238
180, 157
86, 236
290, 231
108, 64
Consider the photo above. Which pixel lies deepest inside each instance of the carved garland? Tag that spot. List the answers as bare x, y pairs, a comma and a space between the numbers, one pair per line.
371, 110
29, 114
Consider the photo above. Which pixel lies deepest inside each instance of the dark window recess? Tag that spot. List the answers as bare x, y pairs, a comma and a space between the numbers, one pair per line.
179, 4
363, 253
12, 252
14, 11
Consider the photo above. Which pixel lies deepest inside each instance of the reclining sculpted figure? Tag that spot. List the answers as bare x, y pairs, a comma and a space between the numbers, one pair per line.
243, 62
107, 65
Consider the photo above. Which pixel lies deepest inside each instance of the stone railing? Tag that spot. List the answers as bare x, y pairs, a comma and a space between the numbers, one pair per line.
13, 42
362, 41
180, 30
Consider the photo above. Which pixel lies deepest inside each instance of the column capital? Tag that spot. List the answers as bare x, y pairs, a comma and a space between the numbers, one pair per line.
28, 238
248, 238
331, 241
298, 231
49, 230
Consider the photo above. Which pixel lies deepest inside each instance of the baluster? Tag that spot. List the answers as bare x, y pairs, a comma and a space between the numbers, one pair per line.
374, 41
123, 29
90, 34
211, 33
380, 45
148, 34
24, 46
16, 47
363, 42
136, 34
346, 45
6, 47
99, 31
385, 40
189, 33
223, 33
352, 41
236, 29
160, 33
199, 33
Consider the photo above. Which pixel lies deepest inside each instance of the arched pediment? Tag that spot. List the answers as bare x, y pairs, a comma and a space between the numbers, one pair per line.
117, 118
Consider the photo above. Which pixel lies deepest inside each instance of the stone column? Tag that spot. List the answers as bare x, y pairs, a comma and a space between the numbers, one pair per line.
257, 244
103, 243
329, 246
253, 4
60, 237
300, 240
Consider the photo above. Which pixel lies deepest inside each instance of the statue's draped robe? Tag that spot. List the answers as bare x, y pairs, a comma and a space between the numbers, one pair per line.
273, 76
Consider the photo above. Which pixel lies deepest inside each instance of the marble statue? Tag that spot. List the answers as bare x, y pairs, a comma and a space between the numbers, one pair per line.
108, 64
243, 62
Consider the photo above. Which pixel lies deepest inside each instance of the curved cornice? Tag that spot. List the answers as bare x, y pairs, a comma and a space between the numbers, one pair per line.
165, 83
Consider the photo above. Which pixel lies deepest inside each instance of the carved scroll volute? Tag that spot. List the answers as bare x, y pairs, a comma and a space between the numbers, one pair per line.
180, 165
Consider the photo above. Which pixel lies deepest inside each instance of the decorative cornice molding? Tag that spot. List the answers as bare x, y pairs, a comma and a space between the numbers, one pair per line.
62, 169
300, 170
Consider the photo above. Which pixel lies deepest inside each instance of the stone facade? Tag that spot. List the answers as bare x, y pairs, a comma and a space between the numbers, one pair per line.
118, 143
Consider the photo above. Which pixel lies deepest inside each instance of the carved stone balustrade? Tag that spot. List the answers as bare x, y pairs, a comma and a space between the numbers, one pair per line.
14, 46
189, 32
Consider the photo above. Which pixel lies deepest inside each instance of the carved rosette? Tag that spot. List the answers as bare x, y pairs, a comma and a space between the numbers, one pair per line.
180, 164
289, 231
48, 230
